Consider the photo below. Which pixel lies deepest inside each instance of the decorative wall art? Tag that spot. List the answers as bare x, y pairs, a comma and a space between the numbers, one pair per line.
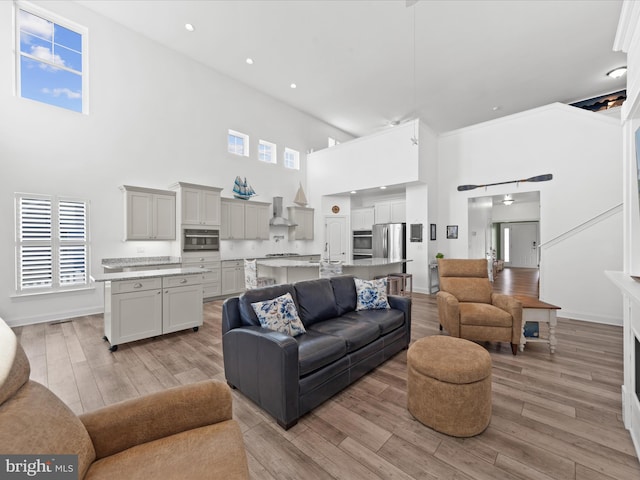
452, 231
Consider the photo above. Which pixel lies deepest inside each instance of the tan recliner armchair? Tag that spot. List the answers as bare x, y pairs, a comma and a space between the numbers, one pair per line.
468, 308
183, 432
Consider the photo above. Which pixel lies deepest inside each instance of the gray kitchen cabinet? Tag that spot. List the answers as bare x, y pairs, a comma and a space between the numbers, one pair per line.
148, 307
303, 217
181, 303
232, 219
244, 220
150, 214
210, 279
232, 276
198, 204
256, 221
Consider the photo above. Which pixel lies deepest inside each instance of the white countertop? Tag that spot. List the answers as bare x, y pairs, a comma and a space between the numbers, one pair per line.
166, 272
116, 263
367, 262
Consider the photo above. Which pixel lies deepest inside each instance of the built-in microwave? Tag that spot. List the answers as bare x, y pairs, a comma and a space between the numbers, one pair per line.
362, 240
199, 240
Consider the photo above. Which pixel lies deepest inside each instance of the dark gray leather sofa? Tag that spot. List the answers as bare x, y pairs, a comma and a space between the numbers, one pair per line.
289, 376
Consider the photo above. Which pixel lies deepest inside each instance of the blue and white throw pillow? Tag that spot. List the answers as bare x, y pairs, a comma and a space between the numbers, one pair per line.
372, 294
279, 314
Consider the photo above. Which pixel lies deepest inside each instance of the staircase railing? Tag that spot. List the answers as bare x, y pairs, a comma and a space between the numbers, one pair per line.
583, 226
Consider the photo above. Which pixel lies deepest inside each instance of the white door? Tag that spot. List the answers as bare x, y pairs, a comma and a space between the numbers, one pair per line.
335, 238
521, 244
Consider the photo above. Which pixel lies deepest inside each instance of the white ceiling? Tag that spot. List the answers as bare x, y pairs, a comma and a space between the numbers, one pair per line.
353, 60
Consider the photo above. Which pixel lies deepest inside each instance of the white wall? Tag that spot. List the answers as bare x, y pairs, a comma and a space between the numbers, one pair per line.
156, 117
387, 158
582, 150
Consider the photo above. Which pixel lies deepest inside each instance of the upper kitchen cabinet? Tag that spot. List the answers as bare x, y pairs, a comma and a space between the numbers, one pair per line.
244, 220
198, 204
362, 218
303, 217
390, 211
256, 221
150, 214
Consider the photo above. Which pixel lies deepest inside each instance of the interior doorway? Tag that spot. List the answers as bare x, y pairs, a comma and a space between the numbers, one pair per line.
506, 227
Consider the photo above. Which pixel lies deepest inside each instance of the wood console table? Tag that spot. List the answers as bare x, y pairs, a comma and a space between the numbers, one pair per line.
533, 310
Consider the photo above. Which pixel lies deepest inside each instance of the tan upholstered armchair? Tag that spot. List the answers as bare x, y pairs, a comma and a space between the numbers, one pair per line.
468, 308
183, 432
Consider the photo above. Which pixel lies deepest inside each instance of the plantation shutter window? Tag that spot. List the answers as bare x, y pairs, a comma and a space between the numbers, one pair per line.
52, 243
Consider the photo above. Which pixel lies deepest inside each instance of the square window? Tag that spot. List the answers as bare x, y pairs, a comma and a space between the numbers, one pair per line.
51, 61
291, 159
238, 143
267, 152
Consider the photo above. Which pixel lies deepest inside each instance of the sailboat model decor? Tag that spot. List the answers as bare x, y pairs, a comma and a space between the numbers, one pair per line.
242, 190
301, 198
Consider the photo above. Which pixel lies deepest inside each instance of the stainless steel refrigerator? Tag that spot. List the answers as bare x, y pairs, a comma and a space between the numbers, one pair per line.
389, 240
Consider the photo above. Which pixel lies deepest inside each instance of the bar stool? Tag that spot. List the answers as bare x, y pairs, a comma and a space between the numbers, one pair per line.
393, 284
406, 279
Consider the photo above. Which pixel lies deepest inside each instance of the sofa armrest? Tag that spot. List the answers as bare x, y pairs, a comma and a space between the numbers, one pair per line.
123, 425
449, 312
263, 365
403, 304
513, 306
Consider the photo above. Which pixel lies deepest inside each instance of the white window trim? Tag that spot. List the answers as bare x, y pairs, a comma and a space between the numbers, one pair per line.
55, 246
245, 139
84, 31
273, 154
296, 156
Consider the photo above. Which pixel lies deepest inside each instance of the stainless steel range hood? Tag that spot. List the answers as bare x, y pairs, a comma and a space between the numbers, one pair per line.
278, 219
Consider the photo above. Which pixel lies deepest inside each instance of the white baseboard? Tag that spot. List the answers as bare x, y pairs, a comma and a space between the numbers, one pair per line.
22, 321
588, 317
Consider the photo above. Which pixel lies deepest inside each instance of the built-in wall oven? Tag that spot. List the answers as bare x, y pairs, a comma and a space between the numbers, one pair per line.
198, 240
362, 244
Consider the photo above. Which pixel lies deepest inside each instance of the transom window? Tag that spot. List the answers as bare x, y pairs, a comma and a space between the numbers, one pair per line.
291, 159
52, 61
52, 245
267, 151
238, 143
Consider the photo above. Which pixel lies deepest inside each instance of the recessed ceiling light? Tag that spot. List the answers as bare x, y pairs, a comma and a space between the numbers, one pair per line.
249, 61
293, 85
617, 72
496, 108
353, 192
189, 27
383, 188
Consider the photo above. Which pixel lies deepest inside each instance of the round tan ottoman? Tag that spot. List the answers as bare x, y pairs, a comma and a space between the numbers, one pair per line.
449, 385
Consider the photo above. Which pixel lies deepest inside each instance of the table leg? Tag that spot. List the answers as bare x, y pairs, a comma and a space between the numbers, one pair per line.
553, 321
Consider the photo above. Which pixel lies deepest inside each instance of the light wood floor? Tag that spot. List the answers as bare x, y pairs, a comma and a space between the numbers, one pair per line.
554, 416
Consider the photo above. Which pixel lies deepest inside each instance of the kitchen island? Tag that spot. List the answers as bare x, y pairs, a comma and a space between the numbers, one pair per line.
285, 270
144, 304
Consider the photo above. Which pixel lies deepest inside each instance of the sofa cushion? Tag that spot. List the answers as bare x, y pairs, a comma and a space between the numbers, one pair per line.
484, 314
344, 291
315, 300
247, 314
280, 315
315, 350
355, 333
387, 320
371, 294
